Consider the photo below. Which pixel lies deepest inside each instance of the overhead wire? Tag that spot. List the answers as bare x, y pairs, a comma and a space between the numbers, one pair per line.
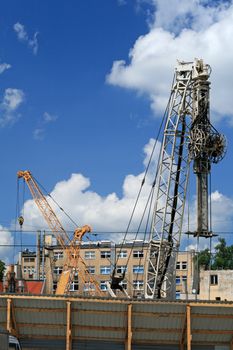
146, 172
57, 204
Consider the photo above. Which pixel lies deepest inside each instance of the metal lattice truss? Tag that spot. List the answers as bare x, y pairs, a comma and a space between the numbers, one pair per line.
171, 186
188, 134
74, 263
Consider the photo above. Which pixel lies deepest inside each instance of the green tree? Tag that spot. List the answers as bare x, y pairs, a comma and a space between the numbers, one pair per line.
222, 258
202, 259
2, 269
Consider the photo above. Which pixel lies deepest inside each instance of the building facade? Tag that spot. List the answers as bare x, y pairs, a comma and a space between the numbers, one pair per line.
100, 259
216, 285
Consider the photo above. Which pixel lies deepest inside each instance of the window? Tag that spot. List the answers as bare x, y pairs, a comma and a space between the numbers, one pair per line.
29, 259
138, 285
177, 279
105, 254
105, 270
178, 295
214, 279
90, 254
57, 270
122, 254
73, 286
103, 285
91, 270
184, 265
138, 253
121, 269
184, 278
58, 255
76, 276
178, 265
54, 286
29, 269
138, 269
88, 286
124, 284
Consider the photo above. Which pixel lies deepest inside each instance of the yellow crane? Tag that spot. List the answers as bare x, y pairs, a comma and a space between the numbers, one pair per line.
71, 247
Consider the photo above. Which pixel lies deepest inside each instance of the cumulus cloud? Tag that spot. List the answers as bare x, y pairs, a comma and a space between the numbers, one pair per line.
6, 240
181, 31
4, 66
221, 222
12, 100
23, 36
176, 15
111, 213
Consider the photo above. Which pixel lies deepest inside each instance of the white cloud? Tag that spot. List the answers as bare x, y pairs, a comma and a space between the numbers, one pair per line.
222, 221
12, 100
121, 2
181, 32
109, 213
38, 134
176, 15
112, 213
23, 36
48, 117
4, 66
6, 240
33, 43
20, 31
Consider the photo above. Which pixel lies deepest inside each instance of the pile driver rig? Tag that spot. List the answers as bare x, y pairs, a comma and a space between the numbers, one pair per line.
188, 136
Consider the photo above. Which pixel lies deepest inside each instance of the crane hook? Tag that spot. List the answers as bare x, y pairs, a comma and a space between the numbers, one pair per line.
20, 221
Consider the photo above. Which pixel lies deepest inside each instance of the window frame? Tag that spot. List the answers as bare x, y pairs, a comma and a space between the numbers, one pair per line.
213, 279
138, 284
105, 254
138, 269
89, 255
138, 253
105, 270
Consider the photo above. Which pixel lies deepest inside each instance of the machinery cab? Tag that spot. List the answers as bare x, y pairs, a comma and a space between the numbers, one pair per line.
14, 343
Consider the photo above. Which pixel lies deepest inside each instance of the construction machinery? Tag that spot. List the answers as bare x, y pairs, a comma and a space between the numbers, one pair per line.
74, 265
188, 136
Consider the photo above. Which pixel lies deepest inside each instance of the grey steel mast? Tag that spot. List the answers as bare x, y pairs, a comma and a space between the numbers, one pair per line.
188, 135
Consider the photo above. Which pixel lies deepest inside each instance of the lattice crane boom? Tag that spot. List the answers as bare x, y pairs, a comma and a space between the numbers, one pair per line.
71, 247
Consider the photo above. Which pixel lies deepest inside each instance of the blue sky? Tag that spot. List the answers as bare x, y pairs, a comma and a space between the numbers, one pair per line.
75, 114
97, 124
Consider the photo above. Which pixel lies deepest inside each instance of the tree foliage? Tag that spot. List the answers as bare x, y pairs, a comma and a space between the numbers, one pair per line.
222, 258
2, 269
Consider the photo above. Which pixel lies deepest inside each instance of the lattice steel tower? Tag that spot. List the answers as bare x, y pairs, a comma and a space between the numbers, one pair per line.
188, 135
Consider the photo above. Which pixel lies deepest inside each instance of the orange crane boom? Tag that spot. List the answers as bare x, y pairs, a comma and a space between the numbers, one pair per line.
71, 247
